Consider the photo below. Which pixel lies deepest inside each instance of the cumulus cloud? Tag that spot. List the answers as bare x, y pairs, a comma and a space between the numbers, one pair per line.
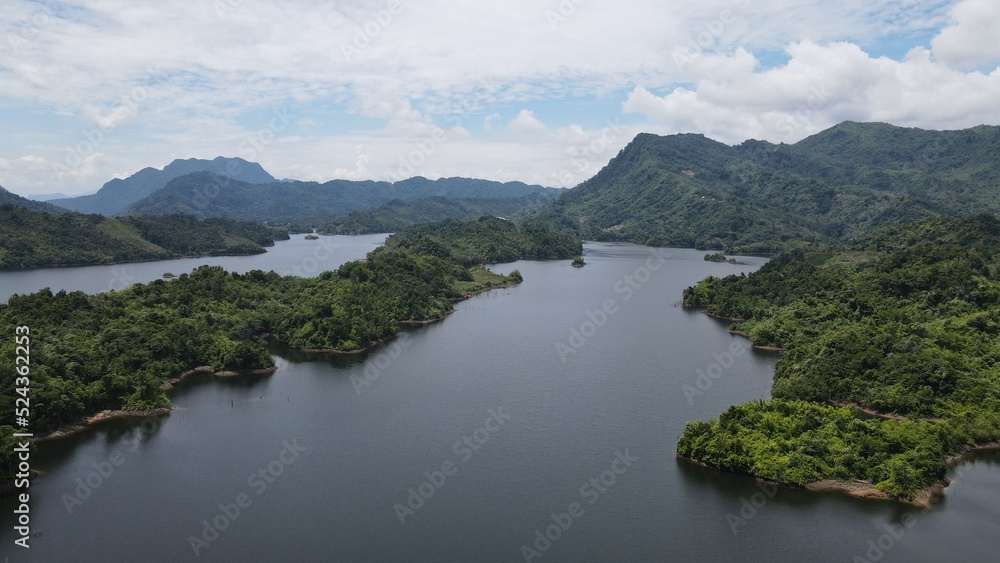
970, 42
174, 79
819, 86
526, 123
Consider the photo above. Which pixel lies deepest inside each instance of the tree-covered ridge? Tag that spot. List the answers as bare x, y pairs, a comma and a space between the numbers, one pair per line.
836, 186
488, 239
398, 214
33, 239
905, 323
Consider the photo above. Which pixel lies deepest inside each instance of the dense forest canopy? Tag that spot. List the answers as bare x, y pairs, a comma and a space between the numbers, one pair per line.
33, 239
488, 239
905, 323
836, 186
399, 214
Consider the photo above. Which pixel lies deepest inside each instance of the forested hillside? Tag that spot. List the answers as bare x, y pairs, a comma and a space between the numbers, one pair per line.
398, 214
836, 186
7, 198
488, 239
31, 239
209, 195
904, 323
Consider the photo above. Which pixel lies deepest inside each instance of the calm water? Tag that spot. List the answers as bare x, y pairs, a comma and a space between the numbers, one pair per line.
480, 414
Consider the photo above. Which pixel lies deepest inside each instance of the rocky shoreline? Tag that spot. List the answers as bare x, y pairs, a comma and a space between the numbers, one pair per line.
865, 490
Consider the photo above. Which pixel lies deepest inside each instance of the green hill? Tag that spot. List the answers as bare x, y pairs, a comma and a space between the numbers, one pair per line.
31, 239
903, 324
688, 190
398, 214
7, 198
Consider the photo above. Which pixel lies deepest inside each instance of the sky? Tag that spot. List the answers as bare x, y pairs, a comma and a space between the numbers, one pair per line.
539, 91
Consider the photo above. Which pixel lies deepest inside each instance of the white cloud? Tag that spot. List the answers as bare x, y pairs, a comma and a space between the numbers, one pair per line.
821, 85
526, 123
971, 41
174, 79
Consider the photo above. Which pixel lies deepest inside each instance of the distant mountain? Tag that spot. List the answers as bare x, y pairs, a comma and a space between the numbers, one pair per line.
687, 190
204, 194
398, 214
48, 197
18, 201
118, 194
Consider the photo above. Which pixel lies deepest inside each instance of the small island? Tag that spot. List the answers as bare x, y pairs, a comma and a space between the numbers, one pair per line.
719, 257
578, 262
312, 237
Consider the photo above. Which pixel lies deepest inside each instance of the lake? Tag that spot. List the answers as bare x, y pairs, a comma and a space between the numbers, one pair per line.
536, 423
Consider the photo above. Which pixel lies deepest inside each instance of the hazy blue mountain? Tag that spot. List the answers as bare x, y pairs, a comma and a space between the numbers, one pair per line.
204, 194
118, 194
48, 197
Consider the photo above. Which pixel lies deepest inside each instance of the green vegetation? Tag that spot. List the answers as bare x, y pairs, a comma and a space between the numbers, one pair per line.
487, 240
578, 262
905, 323
719, 257
116, 350
315, 204
757, 197
32, 239
398, 214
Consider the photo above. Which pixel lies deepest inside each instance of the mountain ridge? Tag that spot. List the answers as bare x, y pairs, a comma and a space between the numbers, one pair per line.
689, 190
118, 193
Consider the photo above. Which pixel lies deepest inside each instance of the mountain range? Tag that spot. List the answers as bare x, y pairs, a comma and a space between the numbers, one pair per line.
118, 194
690, 191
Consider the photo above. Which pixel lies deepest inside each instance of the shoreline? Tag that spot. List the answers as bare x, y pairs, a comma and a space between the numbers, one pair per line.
375, 344
88, 421
857, 488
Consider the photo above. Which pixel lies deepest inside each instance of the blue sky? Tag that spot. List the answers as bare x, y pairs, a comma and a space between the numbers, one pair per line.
538, 91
